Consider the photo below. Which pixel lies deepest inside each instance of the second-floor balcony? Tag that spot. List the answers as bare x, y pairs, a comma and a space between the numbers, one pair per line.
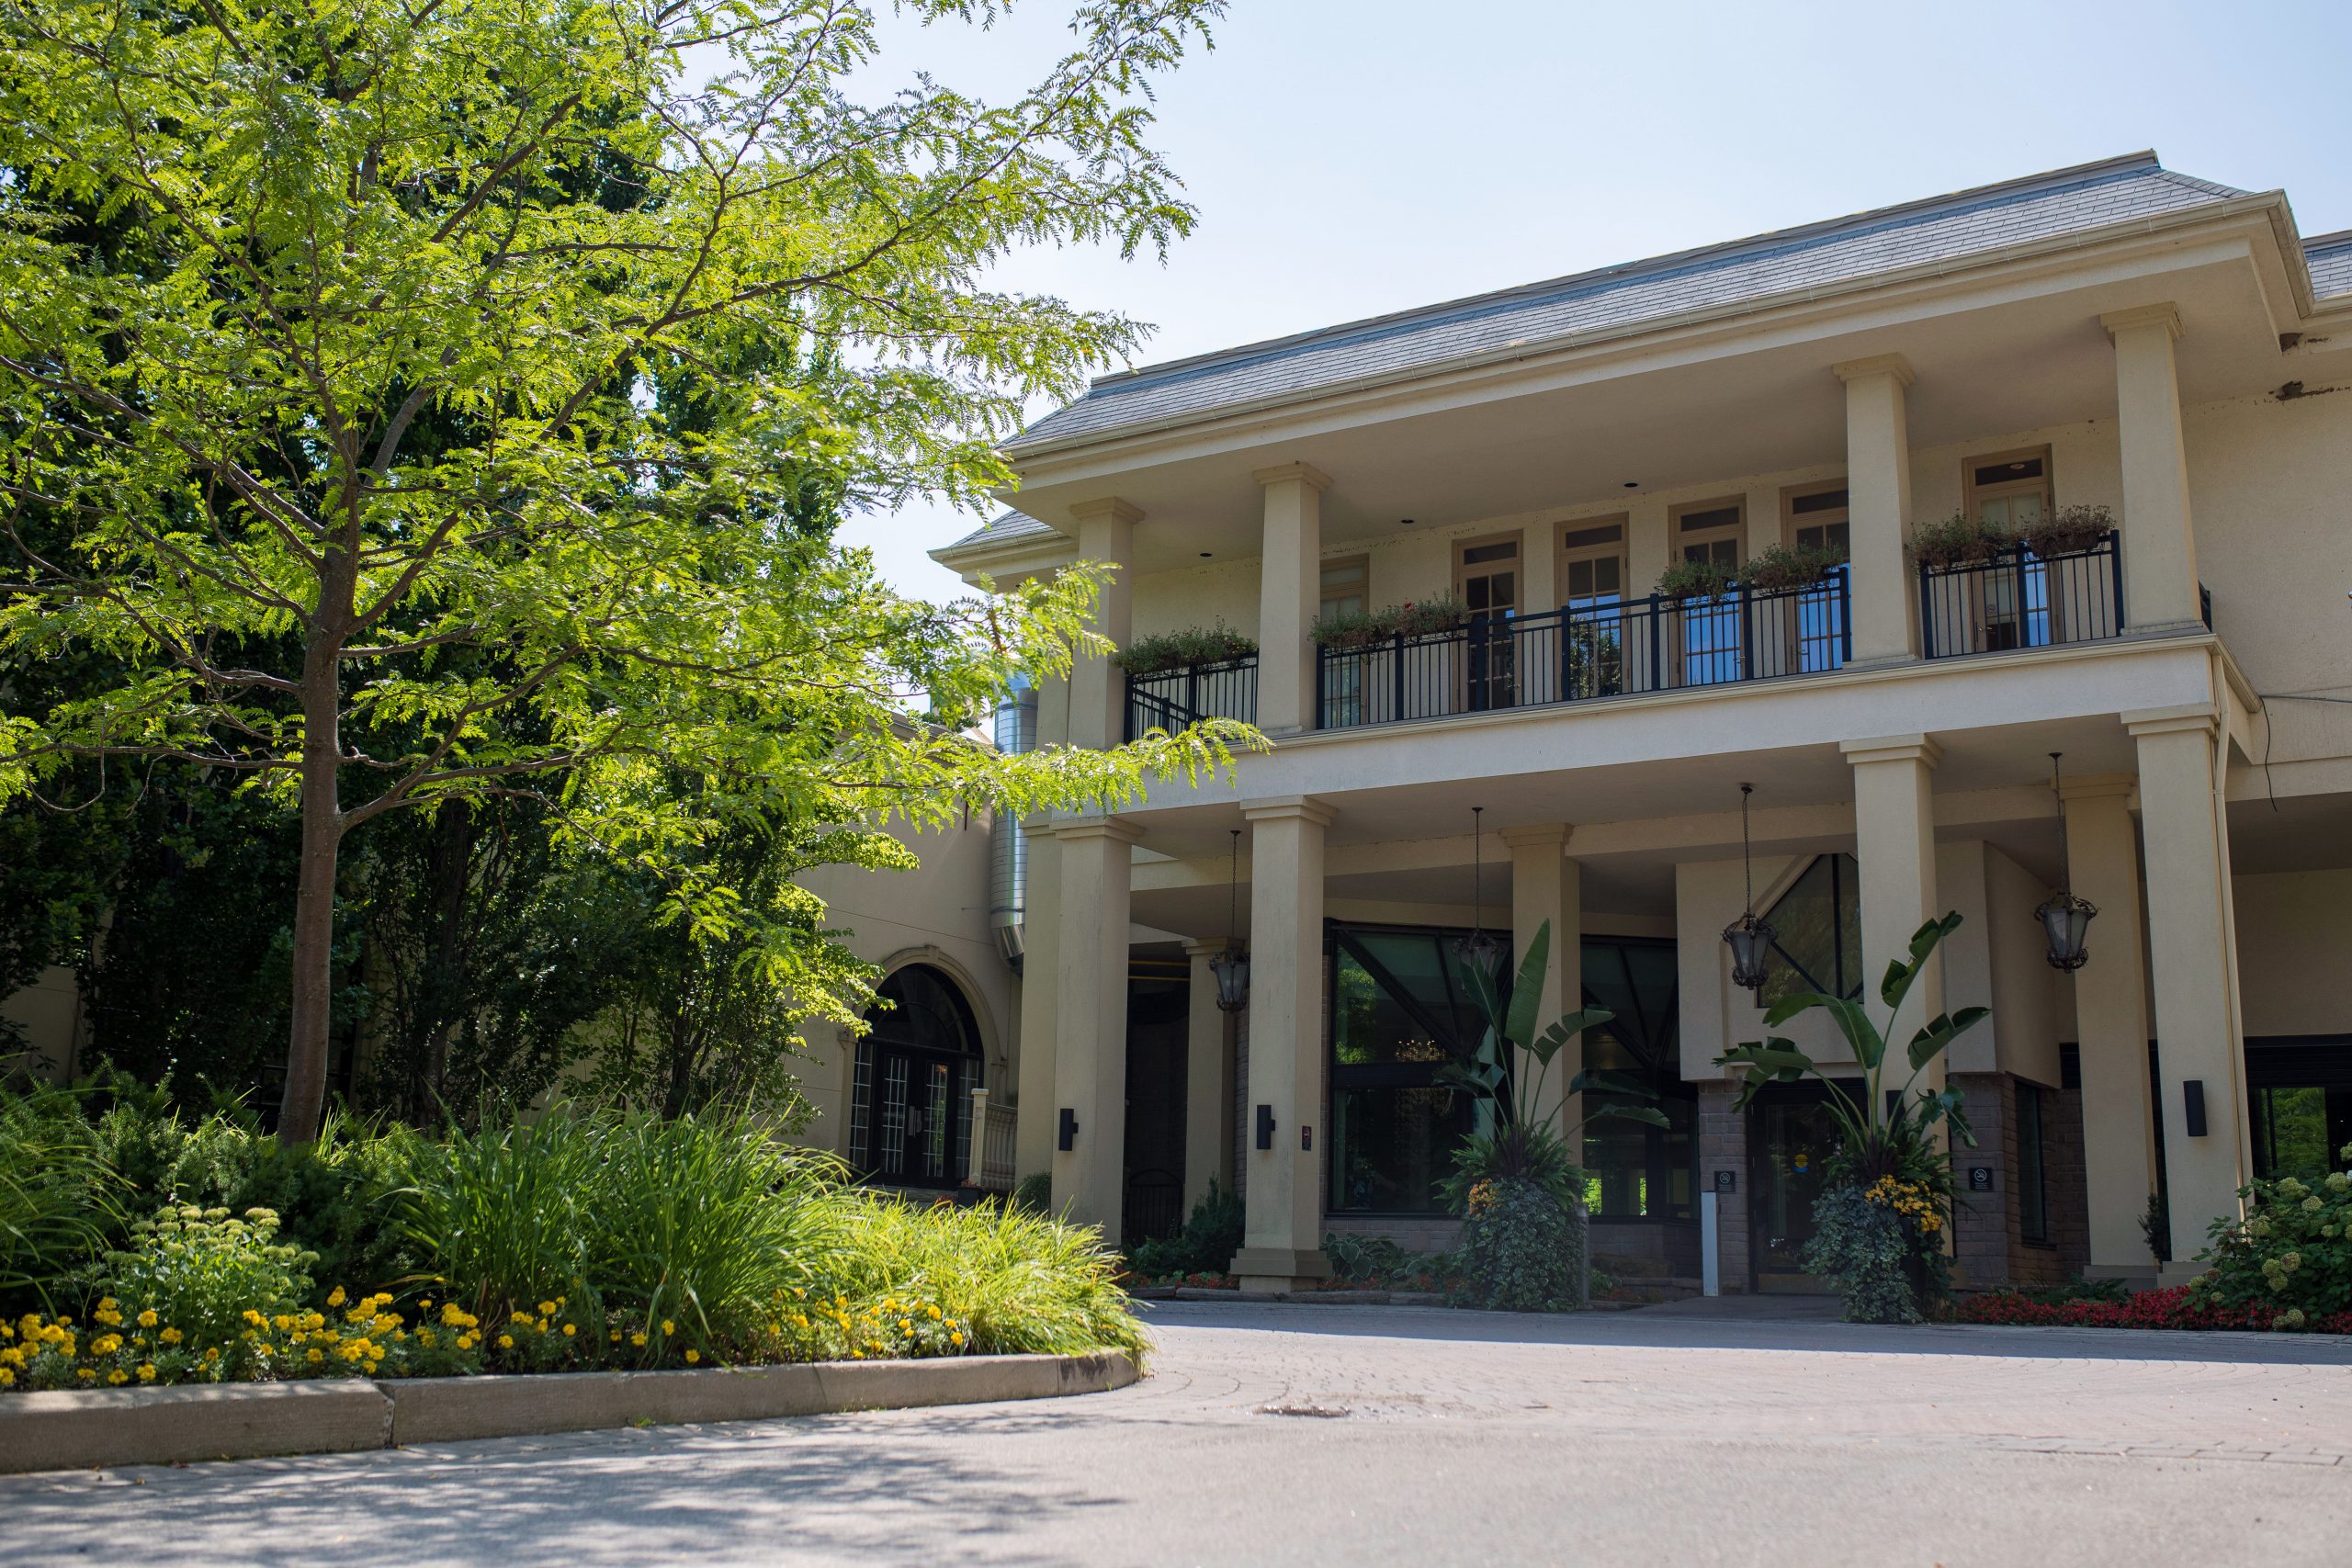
2005, 599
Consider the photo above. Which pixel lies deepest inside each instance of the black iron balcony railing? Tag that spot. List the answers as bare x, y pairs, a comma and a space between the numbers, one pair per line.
1585, 651
2017, 599
1171, 699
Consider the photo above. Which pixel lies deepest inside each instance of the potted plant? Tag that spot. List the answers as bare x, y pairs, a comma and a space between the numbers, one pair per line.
1880, 1223
1163, 651
1362, 629
1520, 1191
1779, 569
1693, 579
1957, 540
2067, 530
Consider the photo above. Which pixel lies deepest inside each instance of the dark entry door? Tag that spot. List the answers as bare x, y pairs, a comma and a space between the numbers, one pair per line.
911, 1114
1790, 1136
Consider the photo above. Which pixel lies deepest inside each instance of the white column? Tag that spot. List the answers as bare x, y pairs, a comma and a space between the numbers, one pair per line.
1041, 979
2159, 549
1289, 589
2185, 843
1098, 693
1894, 831
1547, 885
1091, 1047
1884, 609
1281, 1247
2111, 1023
1208, 1081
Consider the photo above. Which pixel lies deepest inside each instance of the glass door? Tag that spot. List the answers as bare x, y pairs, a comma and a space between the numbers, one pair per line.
1592, 610
1487, 575
1710, 643
2009, 493
1790, 1135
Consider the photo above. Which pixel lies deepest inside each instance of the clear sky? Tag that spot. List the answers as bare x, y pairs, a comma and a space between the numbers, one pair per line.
1355, 156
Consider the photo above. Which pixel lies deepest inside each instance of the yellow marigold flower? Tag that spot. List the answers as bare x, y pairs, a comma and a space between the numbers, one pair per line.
637, 1339
118, 1376
669, 1327
147, 1372
570, 1329
692, 1354
171, 1336
335, 1297
7, 1376
506, 1342
371, 1366
546, 1307
957, 1337
935, 1315
86, 1373
314, 1355
616, 1335
147, 1319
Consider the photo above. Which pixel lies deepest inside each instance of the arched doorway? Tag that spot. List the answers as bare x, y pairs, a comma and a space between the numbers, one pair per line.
910, 1111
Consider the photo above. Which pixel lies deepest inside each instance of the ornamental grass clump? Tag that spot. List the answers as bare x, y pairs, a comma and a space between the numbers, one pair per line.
59, 1200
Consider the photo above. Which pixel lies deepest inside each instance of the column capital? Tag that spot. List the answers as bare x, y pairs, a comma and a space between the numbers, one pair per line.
2164, 314
2191, 717
1284, 807
1892, 749
2097, 787
1307, 472
1893, 365
1117, 828
1109, 506
1537, 836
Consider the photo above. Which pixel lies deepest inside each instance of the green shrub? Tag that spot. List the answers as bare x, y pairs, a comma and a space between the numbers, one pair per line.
2066, 530
1175, 650
59, 1199
1212, 1235
1779, 568
1024, 1283
1688, 578
1860, 1249
1361, 629
1522, 1249
210, 1275
1034, 1194
1956, 540
2291, 1254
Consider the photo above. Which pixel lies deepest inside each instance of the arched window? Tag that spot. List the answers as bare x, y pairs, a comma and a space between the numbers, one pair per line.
1817, 932
910, 1104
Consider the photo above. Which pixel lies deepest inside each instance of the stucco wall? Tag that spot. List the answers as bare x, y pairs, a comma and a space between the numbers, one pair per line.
2294, 931
2032, 1003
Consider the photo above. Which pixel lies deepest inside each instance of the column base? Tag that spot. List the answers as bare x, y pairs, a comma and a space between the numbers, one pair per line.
1280, 1268
2137, 1276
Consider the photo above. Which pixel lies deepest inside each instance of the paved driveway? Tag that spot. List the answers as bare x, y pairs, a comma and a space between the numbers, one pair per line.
1305, 1435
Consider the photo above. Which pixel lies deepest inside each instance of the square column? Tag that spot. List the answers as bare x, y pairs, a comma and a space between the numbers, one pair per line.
1547, 885
1041, 981
1282, 1238
1886, 599
2185, 845
1894, 832
1098, 690
1290, 589
1208, 1081
2159, 552
2111, 1024
1091, 1026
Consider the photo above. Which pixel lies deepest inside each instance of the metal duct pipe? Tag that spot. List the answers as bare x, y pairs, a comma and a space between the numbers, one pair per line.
1016, 732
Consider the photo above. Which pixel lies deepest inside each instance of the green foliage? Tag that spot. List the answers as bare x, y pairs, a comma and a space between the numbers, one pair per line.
429, 409
1379, 1261
201, 1270
1778, 568
1034, 1194
59, 1199
2291, 1252
1024, 1283
1876, 1141
1860, 1247
2155, 1225
1692, 579
1212, 1235
1362, 629
1177, 650
2063, 530
1522, 1250
1957, 540
2074, 1290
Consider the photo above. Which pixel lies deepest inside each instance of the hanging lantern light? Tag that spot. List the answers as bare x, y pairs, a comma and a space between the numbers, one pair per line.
1479, 953
1231, 967
2065, 919
1749, 939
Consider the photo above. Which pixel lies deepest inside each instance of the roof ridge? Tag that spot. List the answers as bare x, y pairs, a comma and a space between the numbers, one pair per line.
2327, 241
1818, 230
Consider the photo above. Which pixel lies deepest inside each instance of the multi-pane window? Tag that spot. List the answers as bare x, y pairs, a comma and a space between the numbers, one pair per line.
2006, 492
1818, 519
1346, 591
1345, 584
1487, 573
1816, 933
1592, 593
1710, 628
2033, 1163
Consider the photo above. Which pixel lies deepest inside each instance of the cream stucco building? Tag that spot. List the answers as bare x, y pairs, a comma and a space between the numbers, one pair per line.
2116, 336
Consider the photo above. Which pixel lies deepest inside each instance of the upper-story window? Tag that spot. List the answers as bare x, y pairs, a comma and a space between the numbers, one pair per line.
2010, 488
1711, 531
1486, 573
1815, 517
2007, 490
1592, 564
1345, 586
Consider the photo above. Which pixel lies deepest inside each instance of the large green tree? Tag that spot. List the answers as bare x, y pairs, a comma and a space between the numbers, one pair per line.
429, 424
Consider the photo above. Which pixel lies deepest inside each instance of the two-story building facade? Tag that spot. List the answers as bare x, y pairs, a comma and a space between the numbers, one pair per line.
1613, 497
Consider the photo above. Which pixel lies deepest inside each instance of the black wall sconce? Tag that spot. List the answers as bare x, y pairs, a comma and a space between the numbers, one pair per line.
1265, 1126
2192, 1105
1069, 1129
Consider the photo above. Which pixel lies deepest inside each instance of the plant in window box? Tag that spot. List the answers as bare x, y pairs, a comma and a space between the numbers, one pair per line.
1162, 651
1692, 579
2067, 530
1957, 540
1778, 568
1880, 1224
1364, 628
1523, 1245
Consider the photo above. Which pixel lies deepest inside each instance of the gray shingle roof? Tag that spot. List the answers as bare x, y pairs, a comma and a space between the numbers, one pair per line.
1790, 260
1009, 528
2329, 256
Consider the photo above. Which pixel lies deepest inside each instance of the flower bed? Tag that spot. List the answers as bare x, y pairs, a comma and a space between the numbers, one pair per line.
2174, 1306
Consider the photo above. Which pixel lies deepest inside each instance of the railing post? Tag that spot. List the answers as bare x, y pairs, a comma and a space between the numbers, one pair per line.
1845, 616
1657, 670
1478, 663
975, 1155
1926, 613
1747, 635
1322, 658
2115, 569
2025, 621
1396, 677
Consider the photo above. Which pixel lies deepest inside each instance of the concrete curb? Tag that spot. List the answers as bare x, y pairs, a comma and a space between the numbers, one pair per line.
80, 1428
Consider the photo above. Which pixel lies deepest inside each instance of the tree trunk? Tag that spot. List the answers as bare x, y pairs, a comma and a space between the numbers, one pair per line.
306, 1051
